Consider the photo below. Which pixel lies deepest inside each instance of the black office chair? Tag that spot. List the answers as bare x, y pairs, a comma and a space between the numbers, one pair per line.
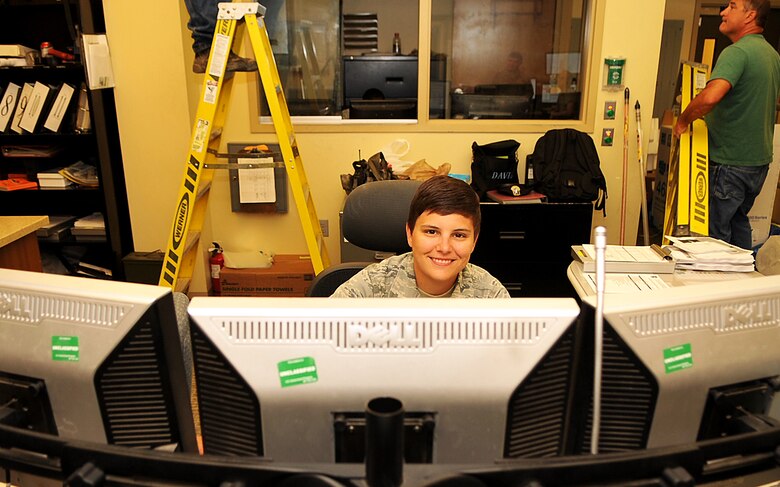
374, 218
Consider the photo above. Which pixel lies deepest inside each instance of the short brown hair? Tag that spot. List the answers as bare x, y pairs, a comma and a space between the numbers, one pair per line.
762, 8
445, 195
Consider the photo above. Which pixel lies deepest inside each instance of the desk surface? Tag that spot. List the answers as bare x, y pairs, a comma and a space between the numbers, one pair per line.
13, 228
582, 286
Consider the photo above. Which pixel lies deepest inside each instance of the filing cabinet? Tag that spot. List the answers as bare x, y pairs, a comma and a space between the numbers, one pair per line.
528, 247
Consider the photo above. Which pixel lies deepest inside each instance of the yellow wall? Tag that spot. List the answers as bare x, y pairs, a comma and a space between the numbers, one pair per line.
155, 93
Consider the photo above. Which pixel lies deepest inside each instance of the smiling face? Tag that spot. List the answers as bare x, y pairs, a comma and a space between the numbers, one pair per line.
441, 247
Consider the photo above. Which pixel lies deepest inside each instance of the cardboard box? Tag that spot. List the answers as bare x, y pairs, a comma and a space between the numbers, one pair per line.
658, 206
289, 276
776, 210
760, 215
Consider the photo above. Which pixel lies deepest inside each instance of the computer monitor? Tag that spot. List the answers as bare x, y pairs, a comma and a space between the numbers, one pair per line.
290, 378
93, 360
684, 364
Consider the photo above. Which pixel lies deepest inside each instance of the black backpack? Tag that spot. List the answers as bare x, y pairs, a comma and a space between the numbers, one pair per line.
566, 167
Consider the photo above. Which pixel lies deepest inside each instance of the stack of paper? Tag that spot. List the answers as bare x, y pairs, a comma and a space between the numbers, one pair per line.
710, 254
81, 174
89, 228
53, 179
625, 258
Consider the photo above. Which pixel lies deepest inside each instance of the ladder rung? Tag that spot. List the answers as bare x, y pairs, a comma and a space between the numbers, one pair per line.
183, 285
192, 239
204, 188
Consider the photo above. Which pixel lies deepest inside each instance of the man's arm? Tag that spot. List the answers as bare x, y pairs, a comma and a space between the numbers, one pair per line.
702, 104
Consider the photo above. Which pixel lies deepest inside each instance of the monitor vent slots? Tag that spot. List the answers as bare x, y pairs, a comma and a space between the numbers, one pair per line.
33, 308
628, 397
760, 312
391, 334
537, 408
229, 411
133, 392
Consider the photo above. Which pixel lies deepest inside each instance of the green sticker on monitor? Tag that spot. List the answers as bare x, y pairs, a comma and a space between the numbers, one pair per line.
678, 358
65, 349
297, 371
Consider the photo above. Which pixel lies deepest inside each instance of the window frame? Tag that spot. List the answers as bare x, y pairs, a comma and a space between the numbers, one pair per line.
593, 29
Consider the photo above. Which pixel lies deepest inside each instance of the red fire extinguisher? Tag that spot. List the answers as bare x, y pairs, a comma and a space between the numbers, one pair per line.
216, 263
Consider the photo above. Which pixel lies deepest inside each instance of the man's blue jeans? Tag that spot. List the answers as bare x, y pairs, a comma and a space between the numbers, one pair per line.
733, 190
203, 21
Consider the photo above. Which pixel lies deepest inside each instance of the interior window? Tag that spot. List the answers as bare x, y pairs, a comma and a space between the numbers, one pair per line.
489, 59
506, 59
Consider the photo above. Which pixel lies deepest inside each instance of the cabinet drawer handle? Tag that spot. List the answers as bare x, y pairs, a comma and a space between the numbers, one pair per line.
511, 235
511, 286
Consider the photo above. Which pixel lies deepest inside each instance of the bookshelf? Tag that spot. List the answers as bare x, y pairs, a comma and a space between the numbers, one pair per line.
29, 23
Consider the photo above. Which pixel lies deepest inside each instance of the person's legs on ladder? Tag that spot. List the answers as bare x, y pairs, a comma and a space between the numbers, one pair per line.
202, 23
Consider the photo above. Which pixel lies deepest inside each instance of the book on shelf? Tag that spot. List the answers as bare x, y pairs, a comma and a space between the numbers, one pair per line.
16, 182
31, 150
88, 269
627, 259
20, 107
10, 96
59, 108
14, 62
92, 221
529, 198
36, 105
55, 225
14, 50
51, 178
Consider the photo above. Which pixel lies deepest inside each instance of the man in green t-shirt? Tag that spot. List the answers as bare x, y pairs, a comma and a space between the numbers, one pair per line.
738, 105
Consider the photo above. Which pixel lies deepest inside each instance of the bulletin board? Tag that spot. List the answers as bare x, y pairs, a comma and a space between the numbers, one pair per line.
257, 190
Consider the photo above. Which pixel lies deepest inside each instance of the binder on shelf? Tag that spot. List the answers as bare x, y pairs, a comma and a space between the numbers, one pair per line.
20, 107
59, 108
8, 104
14, 50
83, 122
627, 259
36, 104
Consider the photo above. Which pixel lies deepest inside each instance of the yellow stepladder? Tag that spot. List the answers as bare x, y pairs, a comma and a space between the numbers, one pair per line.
181, 251
687, 191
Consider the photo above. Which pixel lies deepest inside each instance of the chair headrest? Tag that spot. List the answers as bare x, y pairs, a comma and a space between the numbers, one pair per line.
375, 215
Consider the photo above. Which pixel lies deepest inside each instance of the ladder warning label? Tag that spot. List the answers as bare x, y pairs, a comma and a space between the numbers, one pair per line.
210, 92
201, 135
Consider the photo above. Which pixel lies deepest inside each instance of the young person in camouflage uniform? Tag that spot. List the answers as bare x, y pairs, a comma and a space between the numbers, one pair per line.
442, 230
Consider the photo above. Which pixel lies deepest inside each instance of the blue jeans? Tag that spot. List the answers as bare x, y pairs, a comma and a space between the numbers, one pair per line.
203, 20
733, 190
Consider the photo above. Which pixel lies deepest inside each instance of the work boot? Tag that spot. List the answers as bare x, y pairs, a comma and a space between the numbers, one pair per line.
234, 63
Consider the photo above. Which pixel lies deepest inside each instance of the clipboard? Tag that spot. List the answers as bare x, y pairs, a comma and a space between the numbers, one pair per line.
249, 189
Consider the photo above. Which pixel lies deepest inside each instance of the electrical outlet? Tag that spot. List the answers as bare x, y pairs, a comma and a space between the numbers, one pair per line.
607, 136
324, 227
609, 110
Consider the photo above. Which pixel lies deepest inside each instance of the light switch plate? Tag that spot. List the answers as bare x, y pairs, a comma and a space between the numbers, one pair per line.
607, 137
609, 110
